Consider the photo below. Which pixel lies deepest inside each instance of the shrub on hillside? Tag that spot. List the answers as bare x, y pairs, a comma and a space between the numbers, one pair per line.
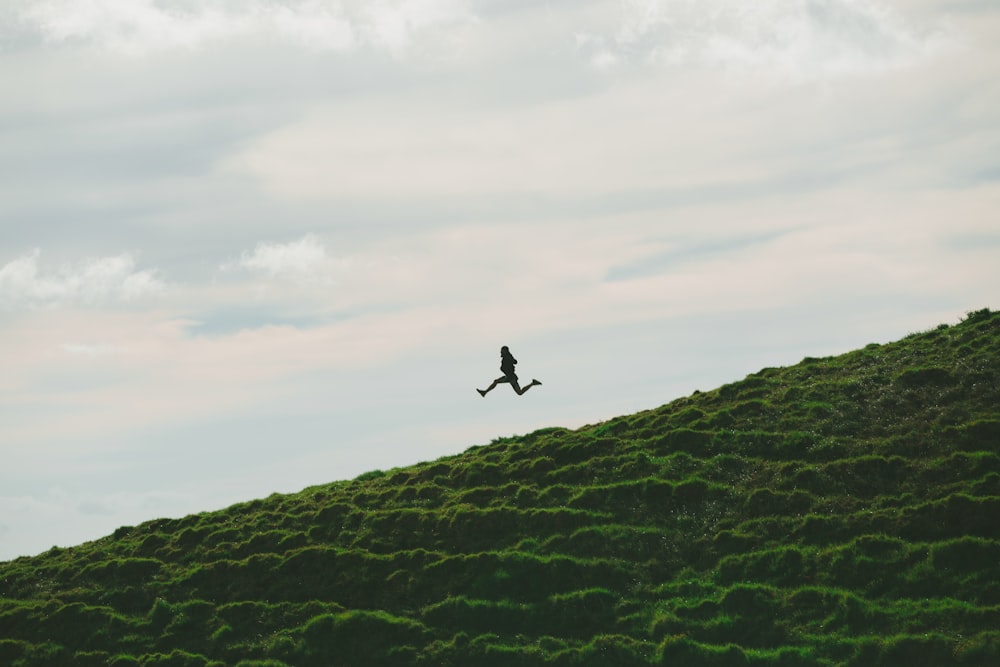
178, 658
684, 651
358, 639
124, 661
11, 650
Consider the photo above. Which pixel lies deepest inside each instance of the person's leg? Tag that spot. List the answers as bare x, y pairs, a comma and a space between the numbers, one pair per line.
521, 391
483, 392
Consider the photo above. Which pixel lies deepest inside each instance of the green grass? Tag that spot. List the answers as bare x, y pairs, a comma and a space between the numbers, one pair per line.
842, 511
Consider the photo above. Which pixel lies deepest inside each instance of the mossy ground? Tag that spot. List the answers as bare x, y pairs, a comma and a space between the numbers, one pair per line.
843, 511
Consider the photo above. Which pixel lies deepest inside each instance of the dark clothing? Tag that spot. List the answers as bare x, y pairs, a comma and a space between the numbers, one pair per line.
507, 362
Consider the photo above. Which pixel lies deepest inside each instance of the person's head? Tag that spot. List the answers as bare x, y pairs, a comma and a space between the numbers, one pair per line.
504, 351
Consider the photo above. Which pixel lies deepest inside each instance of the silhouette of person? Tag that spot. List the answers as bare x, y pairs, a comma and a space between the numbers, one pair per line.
507, 362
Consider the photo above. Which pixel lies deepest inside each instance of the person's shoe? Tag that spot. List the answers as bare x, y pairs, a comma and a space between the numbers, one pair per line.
536, 382
481, 393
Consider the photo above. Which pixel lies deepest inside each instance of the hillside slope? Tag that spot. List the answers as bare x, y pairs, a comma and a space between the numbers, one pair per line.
843, 511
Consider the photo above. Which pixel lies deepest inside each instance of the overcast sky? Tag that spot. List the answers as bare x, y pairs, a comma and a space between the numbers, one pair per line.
247, 247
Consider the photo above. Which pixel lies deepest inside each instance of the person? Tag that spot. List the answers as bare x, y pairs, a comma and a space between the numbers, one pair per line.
507, 362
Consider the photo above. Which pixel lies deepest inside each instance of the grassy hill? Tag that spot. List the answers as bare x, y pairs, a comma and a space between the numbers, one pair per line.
843, 511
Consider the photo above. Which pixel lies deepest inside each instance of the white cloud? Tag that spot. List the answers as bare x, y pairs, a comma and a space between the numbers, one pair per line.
143, 26
315, 25
367, 149
795, 39
393, 24
304, 261
91, 281
129, 27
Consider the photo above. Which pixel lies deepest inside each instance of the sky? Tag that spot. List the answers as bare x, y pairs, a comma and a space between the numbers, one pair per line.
249, 247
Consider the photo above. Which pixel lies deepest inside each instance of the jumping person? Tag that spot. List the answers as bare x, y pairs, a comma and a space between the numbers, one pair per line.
507, 362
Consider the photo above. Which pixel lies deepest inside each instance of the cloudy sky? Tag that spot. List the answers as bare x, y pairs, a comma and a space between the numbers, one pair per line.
247, 247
